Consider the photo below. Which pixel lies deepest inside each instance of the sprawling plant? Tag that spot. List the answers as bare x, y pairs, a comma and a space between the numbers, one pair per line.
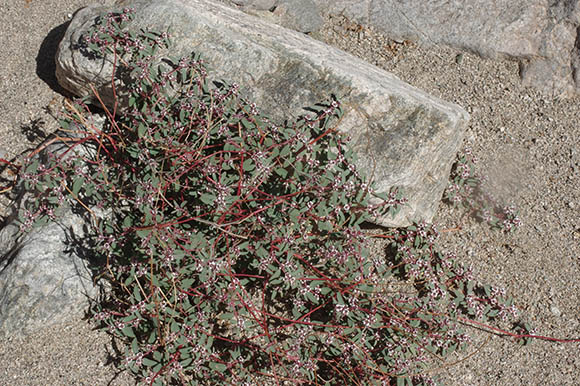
233, 245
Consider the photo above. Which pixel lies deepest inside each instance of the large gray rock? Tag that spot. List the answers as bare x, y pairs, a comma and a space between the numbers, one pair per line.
542, 34
260, 5
404, 137
42, 281
299, 15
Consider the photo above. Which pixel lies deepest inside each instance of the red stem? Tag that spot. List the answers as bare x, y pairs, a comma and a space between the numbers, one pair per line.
518, 336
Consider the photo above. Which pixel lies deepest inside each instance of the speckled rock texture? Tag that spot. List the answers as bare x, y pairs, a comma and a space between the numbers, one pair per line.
405, 138
542, 34
299, 15
42, 280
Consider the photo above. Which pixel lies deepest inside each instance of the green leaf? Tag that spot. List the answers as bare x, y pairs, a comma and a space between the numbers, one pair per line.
186, 362
186, 284
285, 151
208, 198
136, 289
127, 222
470, 285
423, 316
64, 124
148, 362
130, 279
296, 313
152, 337
402, 381
487, 290
143, 233
275, 274
459, 296
247, 124
135, 346
141, 130
128, 332
294, 214
281, 172
311, 297
325, 290
248, 165
235, 353
209, 343
349, 331
219, 367
77, 185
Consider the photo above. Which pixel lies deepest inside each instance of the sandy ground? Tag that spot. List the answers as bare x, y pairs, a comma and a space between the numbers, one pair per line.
526, 143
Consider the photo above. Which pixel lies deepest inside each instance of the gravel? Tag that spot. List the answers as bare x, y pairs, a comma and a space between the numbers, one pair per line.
526, 144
